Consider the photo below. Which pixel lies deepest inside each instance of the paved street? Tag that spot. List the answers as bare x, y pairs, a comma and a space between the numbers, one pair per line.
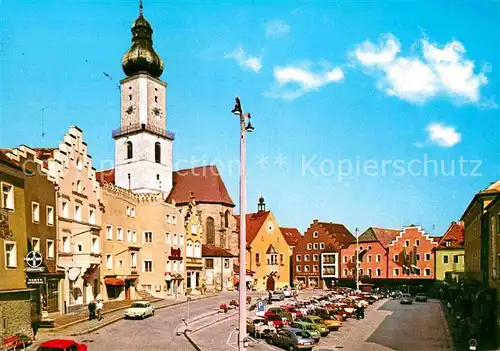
419, 326
388, 325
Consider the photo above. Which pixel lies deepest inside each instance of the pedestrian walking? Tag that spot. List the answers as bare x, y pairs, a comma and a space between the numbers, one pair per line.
91, 310
99, 308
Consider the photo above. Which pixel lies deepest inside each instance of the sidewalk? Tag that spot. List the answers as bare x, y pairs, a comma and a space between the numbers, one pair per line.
85, 326
63, 320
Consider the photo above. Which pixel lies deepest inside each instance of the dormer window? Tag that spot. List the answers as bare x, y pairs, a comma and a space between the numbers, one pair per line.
315, 234
448, 243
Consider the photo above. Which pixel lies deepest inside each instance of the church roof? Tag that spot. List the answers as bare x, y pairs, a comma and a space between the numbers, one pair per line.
106, 176
205, 182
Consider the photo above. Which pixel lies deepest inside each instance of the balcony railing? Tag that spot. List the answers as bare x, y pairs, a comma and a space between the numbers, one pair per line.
137, 127
133, 270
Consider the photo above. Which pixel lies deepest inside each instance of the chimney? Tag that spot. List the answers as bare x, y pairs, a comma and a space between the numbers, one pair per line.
315, 221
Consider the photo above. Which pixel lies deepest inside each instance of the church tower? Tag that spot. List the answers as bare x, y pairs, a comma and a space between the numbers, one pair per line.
143, 146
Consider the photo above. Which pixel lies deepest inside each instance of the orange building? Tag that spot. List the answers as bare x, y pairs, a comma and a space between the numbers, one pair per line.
373, 249
411, 255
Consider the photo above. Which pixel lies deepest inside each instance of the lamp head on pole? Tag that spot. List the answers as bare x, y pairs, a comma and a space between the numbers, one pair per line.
249, 128
237, 107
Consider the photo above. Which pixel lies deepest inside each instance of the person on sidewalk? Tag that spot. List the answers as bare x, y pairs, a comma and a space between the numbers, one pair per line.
99, 308
91, 310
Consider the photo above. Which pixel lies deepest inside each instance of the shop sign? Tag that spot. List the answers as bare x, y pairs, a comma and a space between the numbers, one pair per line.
34, 260
35, 281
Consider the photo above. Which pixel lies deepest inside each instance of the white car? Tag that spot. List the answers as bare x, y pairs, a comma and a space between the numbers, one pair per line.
288, 292
140, 309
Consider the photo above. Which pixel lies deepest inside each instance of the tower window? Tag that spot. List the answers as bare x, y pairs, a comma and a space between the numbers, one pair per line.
156, 98
157, 177
130, 97
157, 152
130, 150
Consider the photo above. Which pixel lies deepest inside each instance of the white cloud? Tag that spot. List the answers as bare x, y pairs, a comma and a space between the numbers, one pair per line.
245, 61
303, 79
417, 78
442, 135
277, 28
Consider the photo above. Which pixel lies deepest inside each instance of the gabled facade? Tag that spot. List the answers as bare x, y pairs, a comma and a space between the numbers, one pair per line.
78, 219
40, 198
308, 259
373, 254
411, 255
268, 252
194, 239
450, 251
215, 206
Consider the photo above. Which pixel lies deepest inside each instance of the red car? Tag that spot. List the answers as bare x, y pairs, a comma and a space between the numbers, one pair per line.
273, 320
62, 345
292, 310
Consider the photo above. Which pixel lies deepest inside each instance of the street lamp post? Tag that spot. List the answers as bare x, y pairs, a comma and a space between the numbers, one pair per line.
357, 259
242, 334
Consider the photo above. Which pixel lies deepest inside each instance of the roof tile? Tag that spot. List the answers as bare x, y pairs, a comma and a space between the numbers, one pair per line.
254, 221
205, 182
291, 235
211, 250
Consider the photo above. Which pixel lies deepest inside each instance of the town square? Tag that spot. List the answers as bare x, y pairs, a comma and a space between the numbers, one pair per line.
249, 175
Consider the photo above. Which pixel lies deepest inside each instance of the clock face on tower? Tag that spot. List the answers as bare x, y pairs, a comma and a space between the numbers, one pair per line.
270, 226
130, 110
156, 110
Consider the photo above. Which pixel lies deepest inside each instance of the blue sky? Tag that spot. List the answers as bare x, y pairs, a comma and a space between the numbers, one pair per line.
326, 84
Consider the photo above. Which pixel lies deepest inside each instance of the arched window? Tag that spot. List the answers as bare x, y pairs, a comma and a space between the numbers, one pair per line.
210, 231
157, 152
226, 219
197, 249
130, 150
189, 248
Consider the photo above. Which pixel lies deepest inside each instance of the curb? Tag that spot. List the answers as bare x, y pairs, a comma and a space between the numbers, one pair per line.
86, 319
105, 324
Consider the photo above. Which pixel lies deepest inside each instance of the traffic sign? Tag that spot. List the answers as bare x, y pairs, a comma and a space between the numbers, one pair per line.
261, 308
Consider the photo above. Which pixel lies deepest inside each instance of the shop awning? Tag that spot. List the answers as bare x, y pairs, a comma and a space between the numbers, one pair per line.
114, 281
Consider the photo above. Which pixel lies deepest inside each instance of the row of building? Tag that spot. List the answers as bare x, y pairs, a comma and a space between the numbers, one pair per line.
328, 254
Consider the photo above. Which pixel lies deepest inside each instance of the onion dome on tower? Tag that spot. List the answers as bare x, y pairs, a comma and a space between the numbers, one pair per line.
141, 57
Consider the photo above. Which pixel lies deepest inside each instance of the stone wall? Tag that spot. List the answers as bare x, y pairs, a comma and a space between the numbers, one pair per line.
15, 314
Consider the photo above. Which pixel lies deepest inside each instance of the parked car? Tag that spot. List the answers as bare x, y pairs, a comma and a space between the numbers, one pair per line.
308, 327
292, 339
318, 322
274, 321
277, 296
274, 310
288, 292
421, 297
258, 327
140, 309
329, 319
406, 299
61, 345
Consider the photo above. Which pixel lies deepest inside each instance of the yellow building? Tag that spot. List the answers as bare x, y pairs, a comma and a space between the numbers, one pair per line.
268, 253
15, 306
450, 252
194, 261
